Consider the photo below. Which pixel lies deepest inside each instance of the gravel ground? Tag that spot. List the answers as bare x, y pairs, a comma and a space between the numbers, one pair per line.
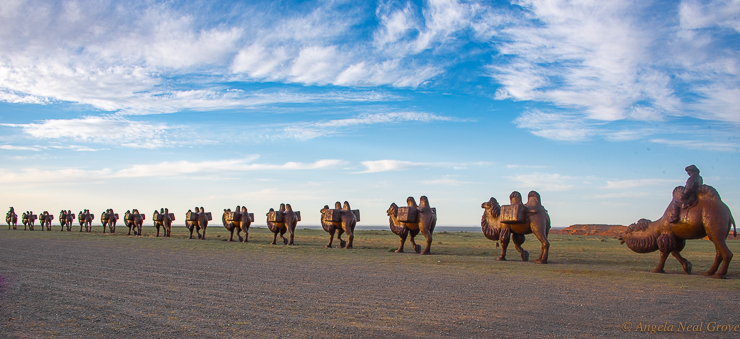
82, 288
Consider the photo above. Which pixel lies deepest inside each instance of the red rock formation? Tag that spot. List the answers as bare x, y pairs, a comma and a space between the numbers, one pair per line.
604, 230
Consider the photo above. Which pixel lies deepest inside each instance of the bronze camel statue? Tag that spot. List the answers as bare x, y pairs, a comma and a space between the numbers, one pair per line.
28, 219
134, 221
163, 219
45, 220
66, 218
85, 219
340, 220
411, 220
708, 217
533, 219
238, 221
11, 218
109, 219
196, 221
281, 221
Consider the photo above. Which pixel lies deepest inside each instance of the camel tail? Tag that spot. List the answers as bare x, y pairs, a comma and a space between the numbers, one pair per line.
734, 230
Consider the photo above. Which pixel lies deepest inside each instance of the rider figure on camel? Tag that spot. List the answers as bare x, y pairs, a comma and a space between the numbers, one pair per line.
688, 196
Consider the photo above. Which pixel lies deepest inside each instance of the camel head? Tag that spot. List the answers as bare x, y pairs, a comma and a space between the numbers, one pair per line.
393, 210
326, 207
411, 202
346, 206
640, 238
423, 201
515, 198
492, 206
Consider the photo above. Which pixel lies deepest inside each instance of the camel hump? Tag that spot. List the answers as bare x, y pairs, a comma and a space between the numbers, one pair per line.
709, 192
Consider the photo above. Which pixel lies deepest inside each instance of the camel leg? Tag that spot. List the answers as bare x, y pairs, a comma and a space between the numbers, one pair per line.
417, 247
204, 233
661, 263
518, 241
680, 244
504, 238
246, 234
428, 235
684, 263
291, 235
331, 238
342, 243
722, 256
350, 239
157, 231
403, 241
274, 238
282, 236
544, 247
129, 231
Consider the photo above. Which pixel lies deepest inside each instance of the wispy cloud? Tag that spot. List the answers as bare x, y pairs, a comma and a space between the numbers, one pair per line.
37, 148
555, 126
544, 181
526, 166
625, 184
164, 169
387, 165
109, 130
609, 61
448, 180
319, 129
21, 148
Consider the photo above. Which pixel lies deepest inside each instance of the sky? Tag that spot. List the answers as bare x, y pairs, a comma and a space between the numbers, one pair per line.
597, 105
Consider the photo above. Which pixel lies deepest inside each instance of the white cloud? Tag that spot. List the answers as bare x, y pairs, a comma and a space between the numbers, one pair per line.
623, 195
625, 184
21, 148
116, 131
720, 13
166, 169
700, 144
555, 126
608, 61
448, 180
526, 166
544, 181
387, 165
319, 129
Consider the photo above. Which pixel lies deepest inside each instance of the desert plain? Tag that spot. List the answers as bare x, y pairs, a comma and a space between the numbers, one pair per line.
61, 284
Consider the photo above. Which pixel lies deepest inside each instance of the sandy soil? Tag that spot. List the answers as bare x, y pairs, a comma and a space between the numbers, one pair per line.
74, 287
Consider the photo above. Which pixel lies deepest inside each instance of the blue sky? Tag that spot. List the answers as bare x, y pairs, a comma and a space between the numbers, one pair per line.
598, 105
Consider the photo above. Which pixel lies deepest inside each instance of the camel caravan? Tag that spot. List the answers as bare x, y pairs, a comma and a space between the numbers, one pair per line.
696, 211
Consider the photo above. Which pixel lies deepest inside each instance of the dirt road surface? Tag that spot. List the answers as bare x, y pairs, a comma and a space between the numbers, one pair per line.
136, 288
